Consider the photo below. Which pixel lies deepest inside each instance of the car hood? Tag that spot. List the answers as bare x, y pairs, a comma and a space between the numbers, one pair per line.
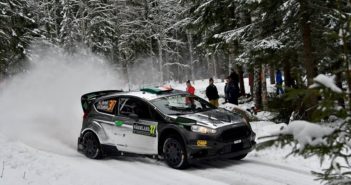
214, 118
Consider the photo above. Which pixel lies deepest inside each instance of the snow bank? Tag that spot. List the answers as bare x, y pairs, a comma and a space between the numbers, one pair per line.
327, 81
307, 133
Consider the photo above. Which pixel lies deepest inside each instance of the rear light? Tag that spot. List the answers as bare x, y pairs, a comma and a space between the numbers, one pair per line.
85, 115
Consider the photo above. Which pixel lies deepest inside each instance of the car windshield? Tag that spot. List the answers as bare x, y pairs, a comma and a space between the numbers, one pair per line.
181, 104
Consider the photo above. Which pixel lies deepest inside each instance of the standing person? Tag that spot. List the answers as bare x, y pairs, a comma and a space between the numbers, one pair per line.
212, 93
226, 96
235, 81
191, 90
232, 92
279, 81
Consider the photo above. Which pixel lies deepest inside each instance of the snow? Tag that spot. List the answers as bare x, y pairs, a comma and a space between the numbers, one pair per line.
268, 44
41, 119
326, 81
307, 133
29, 165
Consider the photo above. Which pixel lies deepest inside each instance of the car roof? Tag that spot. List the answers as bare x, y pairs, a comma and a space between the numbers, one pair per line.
146, 95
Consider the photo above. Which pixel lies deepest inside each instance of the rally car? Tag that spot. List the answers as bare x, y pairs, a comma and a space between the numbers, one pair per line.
164, 123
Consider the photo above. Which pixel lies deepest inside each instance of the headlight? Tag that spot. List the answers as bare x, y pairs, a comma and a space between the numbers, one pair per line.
202, 130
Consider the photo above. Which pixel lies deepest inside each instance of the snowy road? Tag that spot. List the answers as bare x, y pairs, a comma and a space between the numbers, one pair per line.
23, 164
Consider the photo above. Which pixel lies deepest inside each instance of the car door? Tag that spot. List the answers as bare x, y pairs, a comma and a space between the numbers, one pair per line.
106, 109
135, 130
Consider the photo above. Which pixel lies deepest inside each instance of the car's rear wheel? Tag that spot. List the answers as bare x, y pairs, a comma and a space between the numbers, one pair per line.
174, 153
91, 144
239, 157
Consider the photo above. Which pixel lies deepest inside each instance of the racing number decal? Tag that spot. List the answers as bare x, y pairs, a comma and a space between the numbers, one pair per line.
106, 105
111, 105
152, 129
147, 130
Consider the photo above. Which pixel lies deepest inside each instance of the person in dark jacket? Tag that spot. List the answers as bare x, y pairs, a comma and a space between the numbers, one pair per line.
226, 90
231, 91
235, 80
212, 93
279, 81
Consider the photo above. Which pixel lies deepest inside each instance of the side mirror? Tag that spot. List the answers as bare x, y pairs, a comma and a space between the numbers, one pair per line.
134, 116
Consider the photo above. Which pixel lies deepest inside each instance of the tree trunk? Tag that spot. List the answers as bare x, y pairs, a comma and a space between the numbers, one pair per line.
309, 63
287, 73
168, 71
214, 62
264, 88
272, 74
191, 62
230, 62
126, 73
257, 86
338, 80
160, 61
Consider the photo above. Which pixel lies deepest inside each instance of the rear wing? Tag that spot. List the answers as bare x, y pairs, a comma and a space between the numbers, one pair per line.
88, 99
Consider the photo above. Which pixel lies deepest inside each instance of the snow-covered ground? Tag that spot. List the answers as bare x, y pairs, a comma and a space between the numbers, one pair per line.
41, 116
23, 164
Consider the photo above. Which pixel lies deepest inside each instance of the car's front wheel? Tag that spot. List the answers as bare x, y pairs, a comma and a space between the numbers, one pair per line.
91, 144
174, 153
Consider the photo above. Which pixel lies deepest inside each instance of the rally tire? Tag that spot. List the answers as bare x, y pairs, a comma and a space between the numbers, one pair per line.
92, 147
174, 153
239, 157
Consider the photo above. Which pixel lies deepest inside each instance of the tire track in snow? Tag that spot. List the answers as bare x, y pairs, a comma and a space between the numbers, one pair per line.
251, 174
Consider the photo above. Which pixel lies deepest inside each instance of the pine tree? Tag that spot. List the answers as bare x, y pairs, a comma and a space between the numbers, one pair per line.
18, 28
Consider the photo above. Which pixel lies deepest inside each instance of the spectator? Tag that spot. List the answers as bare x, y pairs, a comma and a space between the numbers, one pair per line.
212, 93
279, 81
232, 92
191, 90
235, 81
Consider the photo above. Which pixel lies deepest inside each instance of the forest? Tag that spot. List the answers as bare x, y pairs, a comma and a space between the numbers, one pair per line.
189, 39
199, 39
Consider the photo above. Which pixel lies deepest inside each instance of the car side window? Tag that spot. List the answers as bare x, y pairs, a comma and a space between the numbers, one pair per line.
107, 106
156, 116
129, 106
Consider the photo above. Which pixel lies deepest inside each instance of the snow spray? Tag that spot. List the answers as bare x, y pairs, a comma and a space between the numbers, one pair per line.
41, 107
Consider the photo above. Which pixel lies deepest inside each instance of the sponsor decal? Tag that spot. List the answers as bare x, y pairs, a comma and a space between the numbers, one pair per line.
147, 130
119, 123
201, 143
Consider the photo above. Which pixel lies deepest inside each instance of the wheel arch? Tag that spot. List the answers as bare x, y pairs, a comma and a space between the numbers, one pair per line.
85, 131
169, 132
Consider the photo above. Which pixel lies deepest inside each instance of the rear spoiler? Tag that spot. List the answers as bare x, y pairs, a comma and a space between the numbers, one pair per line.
87, 99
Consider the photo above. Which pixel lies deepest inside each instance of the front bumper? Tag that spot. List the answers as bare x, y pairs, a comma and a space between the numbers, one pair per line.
217, 148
